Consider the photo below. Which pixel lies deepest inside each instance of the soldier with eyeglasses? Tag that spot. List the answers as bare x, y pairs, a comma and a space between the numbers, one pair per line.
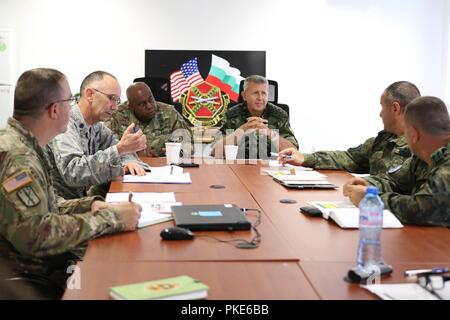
89, 155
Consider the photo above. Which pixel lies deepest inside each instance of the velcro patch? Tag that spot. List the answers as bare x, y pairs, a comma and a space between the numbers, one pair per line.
17, 181
28, 196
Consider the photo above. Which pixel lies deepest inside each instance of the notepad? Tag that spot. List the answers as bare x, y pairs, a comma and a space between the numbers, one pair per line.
176, 288
156, 206
166, 174
346, 215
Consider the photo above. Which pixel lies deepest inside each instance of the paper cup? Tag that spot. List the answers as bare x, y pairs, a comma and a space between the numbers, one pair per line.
173, 152
231, 152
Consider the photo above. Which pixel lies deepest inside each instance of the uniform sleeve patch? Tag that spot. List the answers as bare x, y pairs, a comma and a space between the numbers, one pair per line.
28, 196
16, 182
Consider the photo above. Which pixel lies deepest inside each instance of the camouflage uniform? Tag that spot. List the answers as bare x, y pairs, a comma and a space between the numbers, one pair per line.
158, 130
84, 156
375, 156
248, 145
418, 193
39, 236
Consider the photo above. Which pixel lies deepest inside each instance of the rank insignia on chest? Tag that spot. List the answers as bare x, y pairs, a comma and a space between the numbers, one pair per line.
17, 181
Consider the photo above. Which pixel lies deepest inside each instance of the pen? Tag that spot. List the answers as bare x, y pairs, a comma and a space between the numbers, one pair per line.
284, 156
438, 270
171, 169
130, 196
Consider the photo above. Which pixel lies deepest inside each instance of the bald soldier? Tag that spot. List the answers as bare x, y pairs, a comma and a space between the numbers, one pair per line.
377, 155
88, 155
159, 122
39, 237
419, 191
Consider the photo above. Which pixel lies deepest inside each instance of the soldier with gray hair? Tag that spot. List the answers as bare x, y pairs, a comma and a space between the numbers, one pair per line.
418, 193
40, 237
257, 126
377, 155
89, 154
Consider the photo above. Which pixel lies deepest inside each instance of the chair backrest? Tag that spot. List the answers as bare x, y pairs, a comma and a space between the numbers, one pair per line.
160, 88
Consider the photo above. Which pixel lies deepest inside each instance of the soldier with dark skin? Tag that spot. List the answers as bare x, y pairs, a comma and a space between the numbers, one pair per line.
256, 122
41, 235
159, 122
418, 192
376, 155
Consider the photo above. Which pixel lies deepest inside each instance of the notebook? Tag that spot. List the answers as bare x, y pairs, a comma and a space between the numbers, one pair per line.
346, 215
177, 288
210, 217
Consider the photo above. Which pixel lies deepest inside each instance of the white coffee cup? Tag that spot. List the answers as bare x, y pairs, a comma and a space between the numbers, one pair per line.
173, 152
231, 152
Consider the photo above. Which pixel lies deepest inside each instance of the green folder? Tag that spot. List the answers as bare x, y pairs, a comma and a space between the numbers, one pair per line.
177, 288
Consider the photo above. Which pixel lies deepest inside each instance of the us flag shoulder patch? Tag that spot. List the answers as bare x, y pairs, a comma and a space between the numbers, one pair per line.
17, 181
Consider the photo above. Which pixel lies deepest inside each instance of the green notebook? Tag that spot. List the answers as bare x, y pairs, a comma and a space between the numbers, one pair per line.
177, 288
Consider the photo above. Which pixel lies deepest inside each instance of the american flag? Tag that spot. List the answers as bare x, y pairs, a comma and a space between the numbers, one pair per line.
183, 79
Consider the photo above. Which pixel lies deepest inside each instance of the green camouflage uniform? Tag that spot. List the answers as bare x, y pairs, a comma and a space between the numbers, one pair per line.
418, 193
158, 130
375, 156
39, 236
85, 156
248, 145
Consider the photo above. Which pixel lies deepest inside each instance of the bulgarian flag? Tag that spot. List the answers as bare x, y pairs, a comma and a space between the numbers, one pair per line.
225, 77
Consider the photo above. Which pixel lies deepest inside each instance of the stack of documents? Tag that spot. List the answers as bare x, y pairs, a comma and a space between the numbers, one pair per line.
346, 215
296, 177
167, 174
156, 207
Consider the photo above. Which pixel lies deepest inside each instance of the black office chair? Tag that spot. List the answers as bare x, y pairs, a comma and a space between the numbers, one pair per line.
160, 88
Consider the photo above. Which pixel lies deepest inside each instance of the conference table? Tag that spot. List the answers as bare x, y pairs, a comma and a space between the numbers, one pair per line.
299, 257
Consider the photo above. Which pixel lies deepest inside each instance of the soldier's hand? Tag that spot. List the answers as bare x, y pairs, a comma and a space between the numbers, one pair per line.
129, 212
98, 205
254, 123
355, 193
291, 156
348, 186
131, 142
134, 169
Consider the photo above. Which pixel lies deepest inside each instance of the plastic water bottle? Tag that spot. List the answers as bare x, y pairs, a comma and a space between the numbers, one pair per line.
370, 226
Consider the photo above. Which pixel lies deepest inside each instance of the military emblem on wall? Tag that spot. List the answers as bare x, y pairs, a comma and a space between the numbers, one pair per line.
204, 104
205, 101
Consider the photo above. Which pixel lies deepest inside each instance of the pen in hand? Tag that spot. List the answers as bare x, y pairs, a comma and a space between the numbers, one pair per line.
286, 157
130, 196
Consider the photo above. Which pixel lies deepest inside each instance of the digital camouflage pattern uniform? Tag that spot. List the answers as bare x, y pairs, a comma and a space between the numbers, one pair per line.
39, 236
418, 193
375, 156
85, 156
277, 118
158, 131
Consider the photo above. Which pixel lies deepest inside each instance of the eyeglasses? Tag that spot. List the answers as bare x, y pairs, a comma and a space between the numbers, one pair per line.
433, 282
111, 97
73, 100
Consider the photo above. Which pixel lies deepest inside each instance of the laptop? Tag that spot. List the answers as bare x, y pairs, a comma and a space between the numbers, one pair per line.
306, 185
210, 217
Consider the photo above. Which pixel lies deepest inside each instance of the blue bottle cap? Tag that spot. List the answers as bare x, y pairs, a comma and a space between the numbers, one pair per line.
372, 190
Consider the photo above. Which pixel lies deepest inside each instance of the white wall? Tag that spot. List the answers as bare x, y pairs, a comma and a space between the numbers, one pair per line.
332, 58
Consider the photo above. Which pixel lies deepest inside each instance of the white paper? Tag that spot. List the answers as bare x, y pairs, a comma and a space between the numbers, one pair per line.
400, 291
141, 197
276, 163
166, 174
346, 214
156, 207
